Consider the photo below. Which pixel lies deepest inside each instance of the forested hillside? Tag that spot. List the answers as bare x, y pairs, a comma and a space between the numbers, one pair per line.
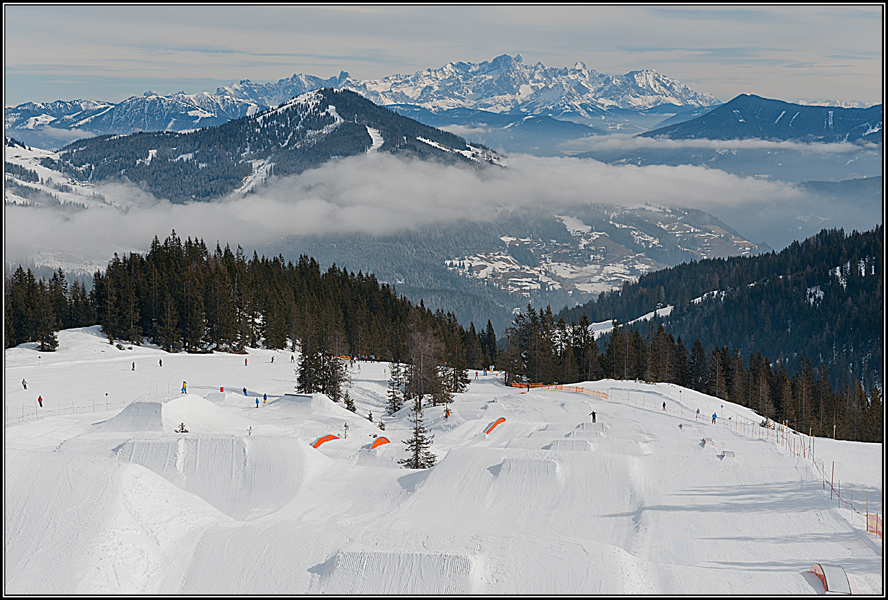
181, 296
821, 298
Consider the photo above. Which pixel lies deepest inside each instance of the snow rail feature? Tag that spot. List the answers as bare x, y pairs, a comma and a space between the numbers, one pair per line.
379, 442
324, 438
834, 578
493, 425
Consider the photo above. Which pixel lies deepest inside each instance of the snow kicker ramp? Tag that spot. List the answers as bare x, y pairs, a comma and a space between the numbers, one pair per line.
162, 412
137, 416
242, 476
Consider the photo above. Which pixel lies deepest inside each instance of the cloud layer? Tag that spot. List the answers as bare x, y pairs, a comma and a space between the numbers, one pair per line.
375, 194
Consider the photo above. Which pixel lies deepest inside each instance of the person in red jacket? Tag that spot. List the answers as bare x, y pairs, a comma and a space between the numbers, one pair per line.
40, 401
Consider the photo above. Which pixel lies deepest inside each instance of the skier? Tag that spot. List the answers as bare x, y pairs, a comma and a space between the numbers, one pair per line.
245, 362
664, 406
24, 384
160, 362
593, 415
476, 374
292, 358
257, 402
698, 413
272, 360
184, 388
245, 393
714, 417
40, 401
264, 398
134, 366
447, 413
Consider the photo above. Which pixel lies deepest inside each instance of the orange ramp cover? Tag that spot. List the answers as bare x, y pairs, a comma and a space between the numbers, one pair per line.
324, 438
494, 424
379, 442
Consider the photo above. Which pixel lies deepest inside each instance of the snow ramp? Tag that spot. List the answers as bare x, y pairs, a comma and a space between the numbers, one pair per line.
136, 416
243, 477
371, 572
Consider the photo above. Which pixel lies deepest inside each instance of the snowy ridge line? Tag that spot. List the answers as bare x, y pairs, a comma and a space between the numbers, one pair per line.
61, 410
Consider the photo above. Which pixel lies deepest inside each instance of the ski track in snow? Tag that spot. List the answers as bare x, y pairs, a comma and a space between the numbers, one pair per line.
546, 503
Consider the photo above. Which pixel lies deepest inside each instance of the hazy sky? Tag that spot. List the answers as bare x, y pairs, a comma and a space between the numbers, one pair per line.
791, 53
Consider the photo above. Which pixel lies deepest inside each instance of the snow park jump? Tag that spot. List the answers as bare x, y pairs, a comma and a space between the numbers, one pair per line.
379, 442
493, 425
324, 438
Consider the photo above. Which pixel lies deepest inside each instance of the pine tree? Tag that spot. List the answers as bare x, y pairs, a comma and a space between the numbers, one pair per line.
46, 321
418, 454
395, 393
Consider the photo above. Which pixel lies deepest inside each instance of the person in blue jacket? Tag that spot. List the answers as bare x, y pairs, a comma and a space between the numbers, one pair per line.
714, 417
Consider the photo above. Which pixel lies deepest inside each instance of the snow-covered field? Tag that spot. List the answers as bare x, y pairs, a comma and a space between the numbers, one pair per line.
103, 497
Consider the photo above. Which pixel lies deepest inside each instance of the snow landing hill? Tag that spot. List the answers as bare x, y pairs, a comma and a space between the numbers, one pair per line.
107, 498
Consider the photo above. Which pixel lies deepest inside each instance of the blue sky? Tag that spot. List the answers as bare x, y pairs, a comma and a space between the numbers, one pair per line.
793, 53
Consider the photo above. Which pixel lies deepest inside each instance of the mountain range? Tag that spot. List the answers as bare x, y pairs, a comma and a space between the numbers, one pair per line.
505, 85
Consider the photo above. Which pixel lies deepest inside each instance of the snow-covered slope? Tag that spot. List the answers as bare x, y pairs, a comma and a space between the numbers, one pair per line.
103, 497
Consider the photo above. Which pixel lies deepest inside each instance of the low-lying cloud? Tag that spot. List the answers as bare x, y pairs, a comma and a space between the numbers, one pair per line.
617, 142
375, 194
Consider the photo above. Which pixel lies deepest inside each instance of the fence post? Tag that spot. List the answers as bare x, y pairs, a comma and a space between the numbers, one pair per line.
831, 479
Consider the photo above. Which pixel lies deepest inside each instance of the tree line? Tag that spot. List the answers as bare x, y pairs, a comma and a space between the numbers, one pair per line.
537, 348
183, 297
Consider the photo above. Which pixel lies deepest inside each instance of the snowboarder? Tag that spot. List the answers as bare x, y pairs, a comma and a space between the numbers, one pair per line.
24, 384
714, 417
160, 362
264, 398
184, 387
272, 360
40, 401
447, 413
593, 415
245, 393
664, 406
257, 402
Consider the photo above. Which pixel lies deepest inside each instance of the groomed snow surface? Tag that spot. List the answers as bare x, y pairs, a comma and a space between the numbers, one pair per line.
108, 499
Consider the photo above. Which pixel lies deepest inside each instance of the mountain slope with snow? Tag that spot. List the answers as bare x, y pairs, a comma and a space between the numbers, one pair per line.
100, 486
302, 133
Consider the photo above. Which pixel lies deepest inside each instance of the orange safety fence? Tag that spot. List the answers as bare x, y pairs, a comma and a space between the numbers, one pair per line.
37, 413
874, 524
565, 388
